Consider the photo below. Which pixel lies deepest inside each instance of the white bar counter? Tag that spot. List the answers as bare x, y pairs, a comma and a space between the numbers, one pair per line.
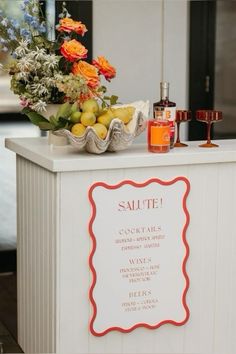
54, 245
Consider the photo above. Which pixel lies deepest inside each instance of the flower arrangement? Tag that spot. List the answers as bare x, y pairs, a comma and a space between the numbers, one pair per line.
45, 71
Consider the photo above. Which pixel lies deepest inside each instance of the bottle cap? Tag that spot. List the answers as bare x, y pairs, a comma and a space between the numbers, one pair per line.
165, 84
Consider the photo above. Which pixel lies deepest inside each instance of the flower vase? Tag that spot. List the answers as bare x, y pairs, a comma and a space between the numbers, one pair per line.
54, 139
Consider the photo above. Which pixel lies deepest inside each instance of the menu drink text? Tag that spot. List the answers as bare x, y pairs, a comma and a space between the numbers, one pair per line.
139, 254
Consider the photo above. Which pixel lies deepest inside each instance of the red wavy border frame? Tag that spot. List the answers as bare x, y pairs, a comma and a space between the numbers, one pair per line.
138, 185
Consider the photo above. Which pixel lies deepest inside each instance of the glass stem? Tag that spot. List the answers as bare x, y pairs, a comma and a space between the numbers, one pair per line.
208, 132
178, 125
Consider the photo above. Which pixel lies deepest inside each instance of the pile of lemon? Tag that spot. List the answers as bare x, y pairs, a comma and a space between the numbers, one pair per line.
91, 115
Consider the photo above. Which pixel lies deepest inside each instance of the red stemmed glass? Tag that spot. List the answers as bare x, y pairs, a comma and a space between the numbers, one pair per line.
209, 117
180, 117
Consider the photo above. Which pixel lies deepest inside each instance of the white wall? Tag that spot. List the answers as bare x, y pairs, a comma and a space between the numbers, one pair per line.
147, 41
175, 49
128, 33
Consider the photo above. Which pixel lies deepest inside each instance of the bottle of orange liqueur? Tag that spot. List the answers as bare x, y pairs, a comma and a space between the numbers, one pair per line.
168, 109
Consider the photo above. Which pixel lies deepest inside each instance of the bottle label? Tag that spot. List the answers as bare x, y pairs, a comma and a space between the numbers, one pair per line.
160, 136
168, 113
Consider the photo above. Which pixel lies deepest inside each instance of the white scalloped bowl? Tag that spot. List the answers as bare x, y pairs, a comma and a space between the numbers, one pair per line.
119, 136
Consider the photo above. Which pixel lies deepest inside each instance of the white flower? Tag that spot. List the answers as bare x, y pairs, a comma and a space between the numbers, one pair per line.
1, 66
22, 76
4, 22
39, 89
48, 81
40, 106
39, 54
37, 65
22, 49
51, 61
35, 9
25, 64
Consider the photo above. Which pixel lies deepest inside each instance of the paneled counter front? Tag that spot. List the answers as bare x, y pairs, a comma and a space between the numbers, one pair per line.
129, 252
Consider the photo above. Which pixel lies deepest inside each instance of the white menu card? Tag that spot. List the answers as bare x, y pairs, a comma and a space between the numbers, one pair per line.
139, 254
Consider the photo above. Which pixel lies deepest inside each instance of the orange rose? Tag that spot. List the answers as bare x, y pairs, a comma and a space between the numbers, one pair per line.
73, 50
105, 68
88, 72
68, 25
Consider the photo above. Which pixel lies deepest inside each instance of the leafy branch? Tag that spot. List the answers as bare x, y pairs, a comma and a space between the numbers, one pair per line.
107, 101
58, 121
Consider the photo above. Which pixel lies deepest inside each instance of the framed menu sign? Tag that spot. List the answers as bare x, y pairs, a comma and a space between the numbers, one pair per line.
139, 254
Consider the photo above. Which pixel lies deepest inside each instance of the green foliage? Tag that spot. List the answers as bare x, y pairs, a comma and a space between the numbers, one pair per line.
102, 89
58, 121
64, 110
109, 101
53, 120
113, 100
45, 125
38, 119
74, 107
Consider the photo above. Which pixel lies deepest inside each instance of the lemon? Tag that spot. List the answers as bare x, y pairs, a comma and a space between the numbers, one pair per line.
78, 129
90, 105
100, 130
110, 111
124, 113
88, 118
105, 119
75, 117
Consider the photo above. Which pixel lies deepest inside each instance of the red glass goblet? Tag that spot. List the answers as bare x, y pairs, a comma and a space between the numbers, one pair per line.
209, 117
181, 116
